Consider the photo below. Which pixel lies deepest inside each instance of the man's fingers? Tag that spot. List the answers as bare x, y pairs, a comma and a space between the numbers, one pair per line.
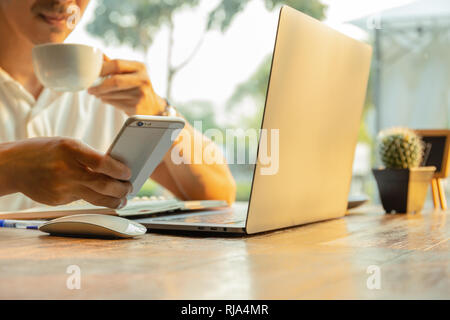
105, 185
100, 163
101, 200
128, 106
120, 103
111, 67
109, 166
119, 82
129, 94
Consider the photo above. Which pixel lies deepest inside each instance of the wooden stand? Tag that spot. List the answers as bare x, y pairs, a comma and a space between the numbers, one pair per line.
438, 191
437, 155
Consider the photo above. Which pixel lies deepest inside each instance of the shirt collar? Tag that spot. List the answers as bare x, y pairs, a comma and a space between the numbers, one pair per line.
5, 78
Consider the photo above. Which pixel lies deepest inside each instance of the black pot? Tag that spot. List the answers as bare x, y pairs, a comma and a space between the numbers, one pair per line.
403, 190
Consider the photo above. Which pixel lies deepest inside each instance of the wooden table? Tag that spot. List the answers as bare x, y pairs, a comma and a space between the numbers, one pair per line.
322, 260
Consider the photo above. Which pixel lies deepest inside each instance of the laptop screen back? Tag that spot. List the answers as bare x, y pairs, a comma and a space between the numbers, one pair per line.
311, 120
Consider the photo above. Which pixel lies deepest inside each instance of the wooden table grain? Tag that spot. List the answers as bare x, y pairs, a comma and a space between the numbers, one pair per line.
325, 260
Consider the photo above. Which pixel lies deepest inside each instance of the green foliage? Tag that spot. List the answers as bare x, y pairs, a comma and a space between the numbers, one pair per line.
313, 8
364, 135
150, 188
133, 22
199, 110
400, 148
136, 22
202, 116
243, 190
222, 16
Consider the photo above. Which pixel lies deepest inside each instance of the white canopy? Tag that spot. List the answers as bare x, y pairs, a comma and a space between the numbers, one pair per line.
412, 64
416, 12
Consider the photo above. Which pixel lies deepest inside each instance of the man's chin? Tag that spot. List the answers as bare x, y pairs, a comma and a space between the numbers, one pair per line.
51, 37
44, 33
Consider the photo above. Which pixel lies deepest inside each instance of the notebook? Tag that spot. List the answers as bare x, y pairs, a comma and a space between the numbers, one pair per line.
137, 207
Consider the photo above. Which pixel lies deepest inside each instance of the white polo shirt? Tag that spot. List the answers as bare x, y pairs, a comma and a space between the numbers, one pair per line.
75, 115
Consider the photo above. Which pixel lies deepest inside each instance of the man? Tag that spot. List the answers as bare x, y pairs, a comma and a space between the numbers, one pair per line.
49, 140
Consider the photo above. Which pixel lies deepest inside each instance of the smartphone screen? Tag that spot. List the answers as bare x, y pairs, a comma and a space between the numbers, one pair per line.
142, 144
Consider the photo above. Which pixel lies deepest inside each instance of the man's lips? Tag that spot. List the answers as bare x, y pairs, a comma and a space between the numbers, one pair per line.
53, 19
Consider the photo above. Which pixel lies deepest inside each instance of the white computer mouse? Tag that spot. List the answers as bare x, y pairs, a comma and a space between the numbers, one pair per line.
94, 225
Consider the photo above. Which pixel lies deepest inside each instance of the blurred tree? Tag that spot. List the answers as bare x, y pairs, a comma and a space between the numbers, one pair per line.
136, 22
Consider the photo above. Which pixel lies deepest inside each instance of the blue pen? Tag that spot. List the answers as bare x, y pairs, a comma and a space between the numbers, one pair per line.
21, 224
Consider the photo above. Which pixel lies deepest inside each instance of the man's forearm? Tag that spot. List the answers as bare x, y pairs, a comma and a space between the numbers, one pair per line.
194, 178
6, 170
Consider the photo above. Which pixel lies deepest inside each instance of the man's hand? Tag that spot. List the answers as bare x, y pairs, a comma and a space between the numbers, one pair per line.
57, 171
128, 87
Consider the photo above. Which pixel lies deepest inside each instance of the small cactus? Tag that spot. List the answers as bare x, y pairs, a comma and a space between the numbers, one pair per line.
400, 148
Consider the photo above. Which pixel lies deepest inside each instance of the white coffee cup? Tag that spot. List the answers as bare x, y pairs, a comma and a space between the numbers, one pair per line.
67, 67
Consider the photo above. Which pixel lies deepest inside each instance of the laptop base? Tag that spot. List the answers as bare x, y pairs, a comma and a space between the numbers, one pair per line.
228, 220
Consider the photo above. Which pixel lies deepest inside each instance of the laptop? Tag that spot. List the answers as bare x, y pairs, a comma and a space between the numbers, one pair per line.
315, 97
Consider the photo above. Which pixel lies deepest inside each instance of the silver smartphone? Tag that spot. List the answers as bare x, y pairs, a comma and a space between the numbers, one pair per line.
142, 143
